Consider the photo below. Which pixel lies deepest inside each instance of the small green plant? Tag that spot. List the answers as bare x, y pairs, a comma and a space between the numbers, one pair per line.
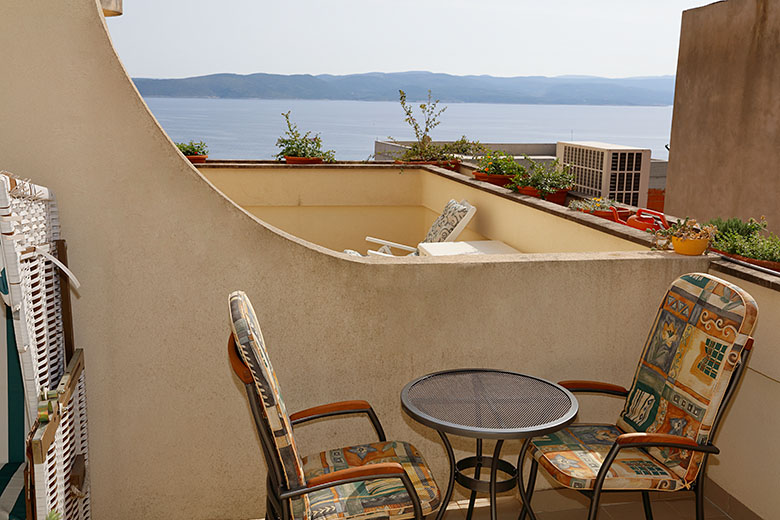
193, 148
545, 178
496, 162
737, 226
594, 204
295, 144
53, 515
424, 149
686, 229
746, 238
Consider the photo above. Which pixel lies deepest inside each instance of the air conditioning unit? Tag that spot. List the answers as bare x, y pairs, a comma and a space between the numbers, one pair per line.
620, 173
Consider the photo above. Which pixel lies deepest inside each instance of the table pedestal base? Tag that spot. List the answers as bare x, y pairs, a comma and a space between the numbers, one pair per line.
475, 484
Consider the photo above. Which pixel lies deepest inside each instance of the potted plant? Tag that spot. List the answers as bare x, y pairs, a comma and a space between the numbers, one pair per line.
297, 148
195, 152
550, 182
424, 150
601, 207
685, 236
497, 168
747, 241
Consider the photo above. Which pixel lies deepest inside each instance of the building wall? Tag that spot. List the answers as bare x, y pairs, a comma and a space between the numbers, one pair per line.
747, 467
725, 143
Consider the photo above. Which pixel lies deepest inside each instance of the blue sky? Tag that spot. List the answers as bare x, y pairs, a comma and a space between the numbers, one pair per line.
612, 38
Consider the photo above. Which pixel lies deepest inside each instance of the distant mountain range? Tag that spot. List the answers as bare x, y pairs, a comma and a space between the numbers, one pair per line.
377, 86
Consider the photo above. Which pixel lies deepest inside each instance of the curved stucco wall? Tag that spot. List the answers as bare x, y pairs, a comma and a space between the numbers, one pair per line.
158, 249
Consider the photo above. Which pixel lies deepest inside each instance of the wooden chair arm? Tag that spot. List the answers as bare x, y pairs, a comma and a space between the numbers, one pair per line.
380, 470
359, 474
648, 440
594, 387
241, 370
325, 410
340, 408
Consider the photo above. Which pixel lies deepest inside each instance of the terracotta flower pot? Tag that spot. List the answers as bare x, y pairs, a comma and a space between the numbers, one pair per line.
197, 159
767, 264
453, 164
498, 180
302, 160
558, 197
690, 247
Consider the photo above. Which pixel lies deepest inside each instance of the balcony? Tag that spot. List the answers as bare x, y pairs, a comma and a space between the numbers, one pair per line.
158, 245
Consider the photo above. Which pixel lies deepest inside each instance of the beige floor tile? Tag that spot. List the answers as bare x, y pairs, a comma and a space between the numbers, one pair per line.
551, 500
572, 514
661, 511
687, 508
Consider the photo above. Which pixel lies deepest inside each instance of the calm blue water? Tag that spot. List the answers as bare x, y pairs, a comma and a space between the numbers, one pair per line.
248, 128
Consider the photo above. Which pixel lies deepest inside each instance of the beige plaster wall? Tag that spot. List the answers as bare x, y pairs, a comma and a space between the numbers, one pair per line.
747, 467
338, 207
157, 249
725, 143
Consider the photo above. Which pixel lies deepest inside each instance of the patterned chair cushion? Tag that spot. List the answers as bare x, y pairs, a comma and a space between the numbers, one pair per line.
384, 498
690, 355
251, 347
445, 223
574, 456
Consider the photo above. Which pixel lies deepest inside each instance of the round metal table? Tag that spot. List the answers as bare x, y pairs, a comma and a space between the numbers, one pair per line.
487, 404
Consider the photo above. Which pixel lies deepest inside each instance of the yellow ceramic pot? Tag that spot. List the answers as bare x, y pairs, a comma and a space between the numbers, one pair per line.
690, 247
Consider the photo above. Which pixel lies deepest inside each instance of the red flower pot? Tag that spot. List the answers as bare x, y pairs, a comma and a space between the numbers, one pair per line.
498, 180
197, 159
558, 197
302, 160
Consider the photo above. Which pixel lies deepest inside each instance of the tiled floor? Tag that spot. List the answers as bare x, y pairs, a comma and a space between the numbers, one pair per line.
552, 506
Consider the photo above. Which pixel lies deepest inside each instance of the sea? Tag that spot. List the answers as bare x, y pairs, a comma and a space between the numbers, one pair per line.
248, 128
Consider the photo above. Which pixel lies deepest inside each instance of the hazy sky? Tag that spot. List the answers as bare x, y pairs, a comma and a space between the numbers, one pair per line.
614, 38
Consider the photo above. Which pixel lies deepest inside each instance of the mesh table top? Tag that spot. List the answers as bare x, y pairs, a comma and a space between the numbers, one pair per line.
487, 403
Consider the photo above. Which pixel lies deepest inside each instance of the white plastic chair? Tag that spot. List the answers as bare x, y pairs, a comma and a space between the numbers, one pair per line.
446, 228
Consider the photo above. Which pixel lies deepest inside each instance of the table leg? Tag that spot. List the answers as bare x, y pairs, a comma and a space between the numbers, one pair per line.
473, 496
493, 477
526, 492
451, 483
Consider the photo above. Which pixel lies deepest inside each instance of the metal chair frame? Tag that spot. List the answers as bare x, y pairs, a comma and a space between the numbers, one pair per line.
278, 495
697, 487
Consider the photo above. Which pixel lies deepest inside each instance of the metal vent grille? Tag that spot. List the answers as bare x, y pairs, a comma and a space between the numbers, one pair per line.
610, 171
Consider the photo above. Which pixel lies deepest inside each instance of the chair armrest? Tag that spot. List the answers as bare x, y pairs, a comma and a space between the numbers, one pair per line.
391, 244
359, 474
371, 252
645, 440
340, 408
595, 387
649, 440
380, 470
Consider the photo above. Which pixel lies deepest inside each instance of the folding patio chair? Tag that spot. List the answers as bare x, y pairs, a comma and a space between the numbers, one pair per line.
692, 362
389, 480
446, 228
